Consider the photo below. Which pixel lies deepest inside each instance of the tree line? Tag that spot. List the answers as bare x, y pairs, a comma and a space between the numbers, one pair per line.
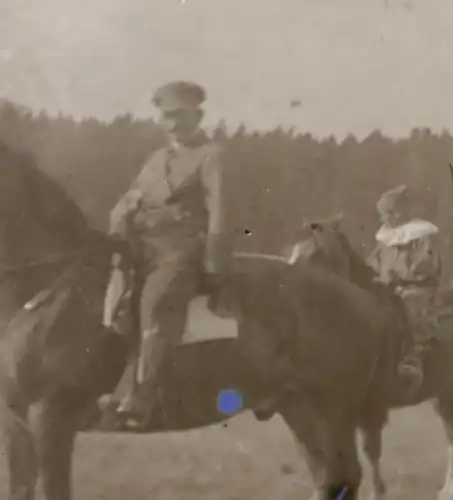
276, 180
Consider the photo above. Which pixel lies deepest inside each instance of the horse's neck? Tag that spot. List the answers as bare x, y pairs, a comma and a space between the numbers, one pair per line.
361, 273
280, 286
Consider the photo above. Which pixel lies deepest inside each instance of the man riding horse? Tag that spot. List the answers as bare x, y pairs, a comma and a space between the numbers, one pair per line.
172, 217
407, 259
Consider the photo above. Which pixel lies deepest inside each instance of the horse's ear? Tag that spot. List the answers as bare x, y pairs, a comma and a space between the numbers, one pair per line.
315, 227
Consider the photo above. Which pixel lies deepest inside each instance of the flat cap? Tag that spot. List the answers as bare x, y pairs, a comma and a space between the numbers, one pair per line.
393, 199
179, 95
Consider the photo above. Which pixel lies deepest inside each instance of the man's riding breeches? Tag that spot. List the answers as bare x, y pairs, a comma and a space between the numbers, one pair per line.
164, 303
165, 291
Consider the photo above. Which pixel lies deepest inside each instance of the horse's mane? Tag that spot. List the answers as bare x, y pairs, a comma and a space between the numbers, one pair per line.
361, 273
42, 229
36, 207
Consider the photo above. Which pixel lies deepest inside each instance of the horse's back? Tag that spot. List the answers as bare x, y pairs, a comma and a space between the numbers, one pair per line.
335, 332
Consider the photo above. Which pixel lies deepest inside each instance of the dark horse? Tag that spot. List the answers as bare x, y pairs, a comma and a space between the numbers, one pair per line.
53, 350
324, 244
327, 335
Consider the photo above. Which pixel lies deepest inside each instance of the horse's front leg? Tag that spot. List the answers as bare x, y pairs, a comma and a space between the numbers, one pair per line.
20, 449
343, 471
305, 430
57, 427
329, 448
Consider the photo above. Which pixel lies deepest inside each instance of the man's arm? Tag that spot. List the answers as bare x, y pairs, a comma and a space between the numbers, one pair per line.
218, 241
122, 212
121, 217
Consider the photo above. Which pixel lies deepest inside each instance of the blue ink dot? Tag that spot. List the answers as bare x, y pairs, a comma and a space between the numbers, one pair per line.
229, 401
342, 493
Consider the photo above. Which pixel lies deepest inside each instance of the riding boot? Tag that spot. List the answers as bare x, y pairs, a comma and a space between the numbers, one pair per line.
136, 408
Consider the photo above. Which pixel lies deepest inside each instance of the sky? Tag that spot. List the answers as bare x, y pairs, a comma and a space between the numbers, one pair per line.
354, 65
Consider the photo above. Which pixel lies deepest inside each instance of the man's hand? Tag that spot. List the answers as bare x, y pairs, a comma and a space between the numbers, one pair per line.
379, 280
122, 252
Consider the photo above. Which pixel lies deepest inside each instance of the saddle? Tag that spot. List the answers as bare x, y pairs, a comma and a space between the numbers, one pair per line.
418, 318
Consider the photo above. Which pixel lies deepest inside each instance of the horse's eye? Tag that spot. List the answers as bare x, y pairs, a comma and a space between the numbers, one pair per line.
314, 226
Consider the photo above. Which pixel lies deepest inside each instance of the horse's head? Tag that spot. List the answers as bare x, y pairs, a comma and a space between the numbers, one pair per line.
323, 243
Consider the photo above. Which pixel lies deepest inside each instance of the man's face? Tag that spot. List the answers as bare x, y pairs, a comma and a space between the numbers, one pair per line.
386, 218
180, 124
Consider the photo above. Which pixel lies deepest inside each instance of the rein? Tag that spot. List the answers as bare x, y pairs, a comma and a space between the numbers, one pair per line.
264, 256
73, 260
67, 257
60, 259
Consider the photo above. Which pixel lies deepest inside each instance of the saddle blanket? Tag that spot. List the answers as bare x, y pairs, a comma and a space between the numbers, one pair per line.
203, 324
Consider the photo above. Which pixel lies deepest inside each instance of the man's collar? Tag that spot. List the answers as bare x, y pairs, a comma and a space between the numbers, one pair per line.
196, 139
405, 233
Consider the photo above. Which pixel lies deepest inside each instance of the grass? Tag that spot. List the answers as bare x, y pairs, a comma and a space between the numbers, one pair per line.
246, 460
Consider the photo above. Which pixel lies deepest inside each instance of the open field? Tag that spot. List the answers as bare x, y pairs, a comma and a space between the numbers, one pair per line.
244, 460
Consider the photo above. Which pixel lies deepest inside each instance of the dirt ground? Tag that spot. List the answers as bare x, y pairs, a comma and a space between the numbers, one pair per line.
246, 460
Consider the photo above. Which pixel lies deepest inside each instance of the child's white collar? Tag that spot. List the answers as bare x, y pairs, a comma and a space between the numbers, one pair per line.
405, 233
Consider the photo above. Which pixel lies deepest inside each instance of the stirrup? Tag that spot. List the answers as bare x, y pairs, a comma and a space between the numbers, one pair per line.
410, 369
132, 421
